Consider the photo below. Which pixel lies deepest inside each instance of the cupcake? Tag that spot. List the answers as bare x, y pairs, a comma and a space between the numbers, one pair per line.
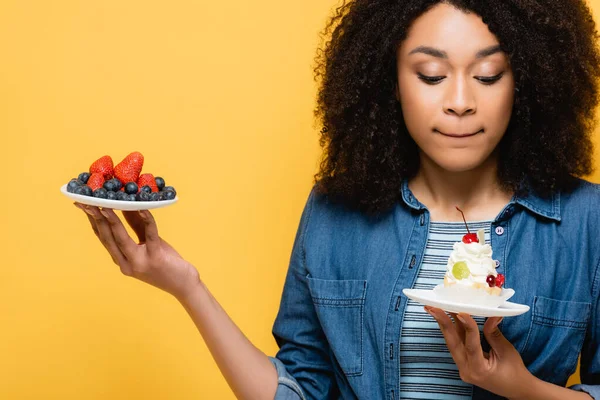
471, 275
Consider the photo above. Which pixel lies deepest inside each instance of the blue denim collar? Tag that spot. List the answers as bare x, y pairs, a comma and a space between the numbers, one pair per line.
546, 207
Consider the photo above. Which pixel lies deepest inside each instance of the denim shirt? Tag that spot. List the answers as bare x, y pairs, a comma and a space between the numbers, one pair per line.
340, 319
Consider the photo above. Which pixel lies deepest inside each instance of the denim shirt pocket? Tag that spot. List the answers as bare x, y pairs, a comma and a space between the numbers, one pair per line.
555, 337
340, 307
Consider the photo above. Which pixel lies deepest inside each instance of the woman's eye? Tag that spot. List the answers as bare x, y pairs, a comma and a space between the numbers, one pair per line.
486, 80
431, 80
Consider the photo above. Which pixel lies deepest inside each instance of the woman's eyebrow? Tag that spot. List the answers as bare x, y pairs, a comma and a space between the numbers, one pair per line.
488, 51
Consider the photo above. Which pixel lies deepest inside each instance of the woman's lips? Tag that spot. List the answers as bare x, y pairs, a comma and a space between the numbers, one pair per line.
458, 135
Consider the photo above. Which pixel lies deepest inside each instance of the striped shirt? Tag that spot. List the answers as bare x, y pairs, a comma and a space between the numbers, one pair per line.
427, 370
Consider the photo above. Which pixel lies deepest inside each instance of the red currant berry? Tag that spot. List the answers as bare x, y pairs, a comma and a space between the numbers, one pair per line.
500, 280
470, 238
491, 280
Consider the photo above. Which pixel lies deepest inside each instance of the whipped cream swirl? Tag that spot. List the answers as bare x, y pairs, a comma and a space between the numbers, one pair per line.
478, 258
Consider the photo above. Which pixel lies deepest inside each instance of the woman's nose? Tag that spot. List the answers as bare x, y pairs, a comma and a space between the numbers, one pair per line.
459, 99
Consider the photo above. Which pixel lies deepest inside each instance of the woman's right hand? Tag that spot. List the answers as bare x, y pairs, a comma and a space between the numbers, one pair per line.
152, 259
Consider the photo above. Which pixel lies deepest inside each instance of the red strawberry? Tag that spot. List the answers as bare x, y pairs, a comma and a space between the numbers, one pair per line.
147, 179
103, 165
96, 181
129, 169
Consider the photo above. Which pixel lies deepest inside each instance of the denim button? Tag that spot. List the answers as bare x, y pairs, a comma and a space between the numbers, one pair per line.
497, 263
499, 230
413, 261
422, 219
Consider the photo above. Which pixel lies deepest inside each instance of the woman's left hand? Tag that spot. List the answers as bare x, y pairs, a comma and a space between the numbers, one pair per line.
501, 371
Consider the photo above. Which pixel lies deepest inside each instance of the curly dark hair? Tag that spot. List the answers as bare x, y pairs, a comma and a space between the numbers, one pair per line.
367, 151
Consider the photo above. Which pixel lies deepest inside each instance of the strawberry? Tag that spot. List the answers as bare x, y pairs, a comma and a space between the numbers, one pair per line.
103, 165
96, 181
129, 169
147, 179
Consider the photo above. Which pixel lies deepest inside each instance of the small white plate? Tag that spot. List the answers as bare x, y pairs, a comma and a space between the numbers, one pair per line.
117, 204
429, 298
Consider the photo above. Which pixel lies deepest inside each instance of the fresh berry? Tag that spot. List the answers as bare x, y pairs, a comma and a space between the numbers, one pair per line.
146, 189
96, 181
72, 185
154, 197
460, 270
100, 193
122, 196
143, 196
147, 180
129, 169
170, 189
491, 280
84, 176
104, 166
131, 188
470, 238
111, 195
131, 197
499, 280
167, 195
111, 186
83, 190
160, 183
117, 184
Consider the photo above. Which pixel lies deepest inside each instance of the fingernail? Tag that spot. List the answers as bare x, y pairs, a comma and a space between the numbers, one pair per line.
461, 319
498, 322
103, 212
87, 210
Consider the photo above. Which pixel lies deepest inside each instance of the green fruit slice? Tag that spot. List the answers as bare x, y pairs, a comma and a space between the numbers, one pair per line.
460, 270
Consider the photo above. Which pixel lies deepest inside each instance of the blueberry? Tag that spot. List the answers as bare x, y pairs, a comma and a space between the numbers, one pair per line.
167, 195
72, 185
131, 197
160, 182
154, 196
170, 189
111, 185
83, 190
101, 193
118, 184
131, 188
122, 196
111, 195
143, 196
84, 176
146, 189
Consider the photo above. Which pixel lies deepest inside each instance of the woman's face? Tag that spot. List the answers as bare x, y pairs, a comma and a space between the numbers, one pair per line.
455, 87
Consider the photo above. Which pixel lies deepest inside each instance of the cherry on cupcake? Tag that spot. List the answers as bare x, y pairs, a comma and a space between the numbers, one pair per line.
469, 237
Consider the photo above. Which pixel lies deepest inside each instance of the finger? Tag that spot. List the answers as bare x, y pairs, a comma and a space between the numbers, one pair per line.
89, 217
151, 231
472, 340
106, 237
134, 220
451, 336
122, 238
459, 327
494, 336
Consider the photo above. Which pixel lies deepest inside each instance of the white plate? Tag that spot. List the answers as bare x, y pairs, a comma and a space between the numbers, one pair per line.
117, 204
429, 298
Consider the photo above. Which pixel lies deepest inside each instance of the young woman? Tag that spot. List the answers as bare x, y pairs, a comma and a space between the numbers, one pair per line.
426, 105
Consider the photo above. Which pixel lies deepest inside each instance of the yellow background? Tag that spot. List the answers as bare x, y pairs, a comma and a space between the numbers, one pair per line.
218, 96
